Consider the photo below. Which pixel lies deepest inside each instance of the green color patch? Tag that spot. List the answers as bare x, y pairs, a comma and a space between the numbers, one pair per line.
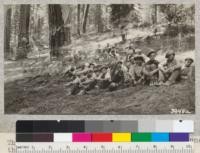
141, 137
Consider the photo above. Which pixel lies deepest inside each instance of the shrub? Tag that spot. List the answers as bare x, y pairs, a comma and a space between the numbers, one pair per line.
174, 30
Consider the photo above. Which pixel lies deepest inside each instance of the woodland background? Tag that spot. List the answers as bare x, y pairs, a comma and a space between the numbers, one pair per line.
41, 42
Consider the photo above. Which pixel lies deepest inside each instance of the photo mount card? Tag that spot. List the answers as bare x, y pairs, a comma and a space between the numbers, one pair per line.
120, 59
42, 97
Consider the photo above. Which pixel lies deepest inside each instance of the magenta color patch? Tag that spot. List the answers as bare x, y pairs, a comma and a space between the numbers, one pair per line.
81, 137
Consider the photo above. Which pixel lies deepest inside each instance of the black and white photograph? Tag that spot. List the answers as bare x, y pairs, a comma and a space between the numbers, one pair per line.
99, 59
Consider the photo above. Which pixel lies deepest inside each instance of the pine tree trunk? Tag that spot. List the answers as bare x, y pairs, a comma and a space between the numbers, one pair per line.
7, 35
67, 15
99, 18
67, 22
155, 11
85, 18
23, 36
78, 19
56, 30
82, 10
15, 17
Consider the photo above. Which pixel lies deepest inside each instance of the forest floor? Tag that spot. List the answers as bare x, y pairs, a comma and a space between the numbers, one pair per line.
48, 94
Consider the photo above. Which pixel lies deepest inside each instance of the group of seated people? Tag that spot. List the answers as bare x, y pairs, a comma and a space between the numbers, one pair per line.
136, 69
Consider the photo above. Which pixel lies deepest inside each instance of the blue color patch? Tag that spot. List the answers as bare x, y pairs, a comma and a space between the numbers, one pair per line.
160, 137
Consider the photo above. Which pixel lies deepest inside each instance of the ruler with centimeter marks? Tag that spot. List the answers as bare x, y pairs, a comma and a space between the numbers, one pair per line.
178, 147
8, 145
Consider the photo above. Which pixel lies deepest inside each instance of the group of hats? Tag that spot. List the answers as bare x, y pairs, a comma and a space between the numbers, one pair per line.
171, 52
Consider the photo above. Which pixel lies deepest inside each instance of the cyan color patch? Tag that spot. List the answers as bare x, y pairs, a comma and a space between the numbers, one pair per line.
160, 137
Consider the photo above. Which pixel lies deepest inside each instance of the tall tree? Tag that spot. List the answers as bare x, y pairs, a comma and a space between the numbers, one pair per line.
169, 10
85, 17
78, 19
67, 16
23, 36
99, 21
82, 11
155, 6
15, 18
119, 12
56, 30
7, 34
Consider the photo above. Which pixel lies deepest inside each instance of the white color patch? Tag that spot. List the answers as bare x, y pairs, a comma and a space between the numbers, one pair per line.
183, 126
62, 137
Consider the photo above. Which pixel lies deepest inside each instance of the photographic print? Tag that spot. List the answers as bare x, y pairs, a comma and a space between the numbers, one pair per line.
99, 59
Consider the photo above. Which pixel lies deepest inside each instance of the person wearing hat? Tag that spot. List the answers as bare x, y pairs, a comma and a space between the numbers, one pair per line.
76, 84
70, 73
187, 69
136, 70
89, 83
87, 67
91, 66
138, 52
169, 72
130, 50
151, 69
85, 81
104, 78
117, 76
114, 55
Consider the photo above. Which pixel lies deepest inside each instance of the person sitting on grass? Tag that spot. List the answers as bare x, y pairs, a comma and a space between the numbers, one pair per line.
138, 52
83, 83
86, 68
130, 52
151, 69
70, 73
105, 52
169, 72
117, 76
89, 83
103, 78
136, 70
187, 69
76, 86
114, 55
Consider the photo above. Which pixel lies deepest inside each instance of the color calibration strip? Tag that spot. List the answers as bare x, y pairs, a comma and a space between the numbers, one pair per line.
103, 131
71, 126
103, 137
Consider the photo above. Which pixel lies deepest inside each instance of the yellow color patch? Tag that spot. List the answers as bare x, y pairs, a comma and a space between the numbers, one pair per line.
121, 137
